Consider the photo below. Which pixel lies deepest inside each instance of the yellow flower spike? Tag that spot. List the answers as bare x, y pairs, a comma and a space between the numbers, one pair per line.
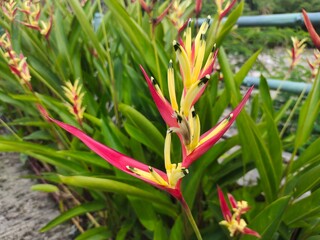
75, 96
203, 29
184, 63
167, 146
171, 87
195, 131
199, 59
186, 102
219, 128
188, 39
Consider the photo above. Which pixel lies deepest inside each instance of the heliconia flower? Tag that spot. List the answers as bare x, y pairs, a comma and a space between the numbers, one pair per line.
313, 34
188, 128
9, 9
296, 50
223, 8
32, 13
75, 96
17, 62
182, 118
233, 221
168, 181
177, 11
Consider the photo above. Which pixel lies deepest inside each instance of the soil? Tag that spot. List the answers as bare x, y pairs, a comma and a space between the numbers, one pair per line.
22, 211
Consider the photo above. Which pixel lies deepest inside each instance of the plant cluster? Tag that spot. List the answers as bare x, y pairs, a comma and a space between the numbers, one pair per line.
115, 112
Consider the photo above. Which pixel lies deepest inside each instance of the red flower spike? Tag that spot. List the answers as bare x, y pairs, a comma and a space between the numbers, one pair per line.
126, 164
313, 34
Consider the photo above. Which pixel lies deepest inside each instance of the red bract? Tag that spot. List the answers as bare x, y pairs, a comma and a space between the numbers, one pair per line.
166, 181
313, 34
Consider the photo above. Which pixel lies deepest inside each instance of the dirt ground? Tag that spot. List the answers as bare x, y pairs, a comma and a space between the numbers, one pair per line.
22, 211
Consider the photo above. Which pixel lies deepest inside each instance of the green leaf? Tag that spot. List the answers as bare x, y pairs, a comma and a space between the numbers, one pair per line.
141, 129
73, 212
251, 139
303, 209
113, 186
151, 52
246, 67
38, 135
87, 27
256, 149
98, 233
266, 223
274, 144
160, 232
177, 229
309, 156
265, 95
229, 23
309, 113
144, 212
307, 179
45, 188
39, 152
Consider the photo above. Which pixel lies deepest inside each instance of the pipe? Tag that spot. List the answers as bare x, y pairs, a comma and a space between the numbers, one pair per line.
283, 85
274, 20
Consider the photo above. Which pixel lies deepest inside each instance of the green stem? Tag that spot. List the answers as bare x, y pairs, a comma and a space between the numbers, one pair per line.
190, 218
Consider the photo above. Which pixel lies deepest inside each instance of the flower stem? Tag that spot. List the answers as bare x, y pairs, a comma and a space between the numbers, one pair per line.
190, 218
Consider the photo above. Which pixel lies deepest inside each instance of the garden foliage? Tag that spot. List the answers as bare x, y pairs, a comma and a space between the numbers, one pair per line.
79, 62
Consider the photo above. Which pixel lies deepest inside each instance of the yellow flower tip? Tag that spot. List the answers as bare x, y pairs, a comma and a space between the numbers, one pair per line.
170, 64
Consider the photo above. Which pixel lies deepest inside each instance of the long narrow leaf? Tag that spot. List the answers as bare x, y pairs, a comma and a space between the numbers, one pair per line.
76, 211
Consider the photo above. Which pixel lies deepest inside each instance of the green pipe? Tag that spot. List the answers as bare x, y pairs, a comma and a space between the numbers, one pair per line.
275, 20
284, 86
278, 20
